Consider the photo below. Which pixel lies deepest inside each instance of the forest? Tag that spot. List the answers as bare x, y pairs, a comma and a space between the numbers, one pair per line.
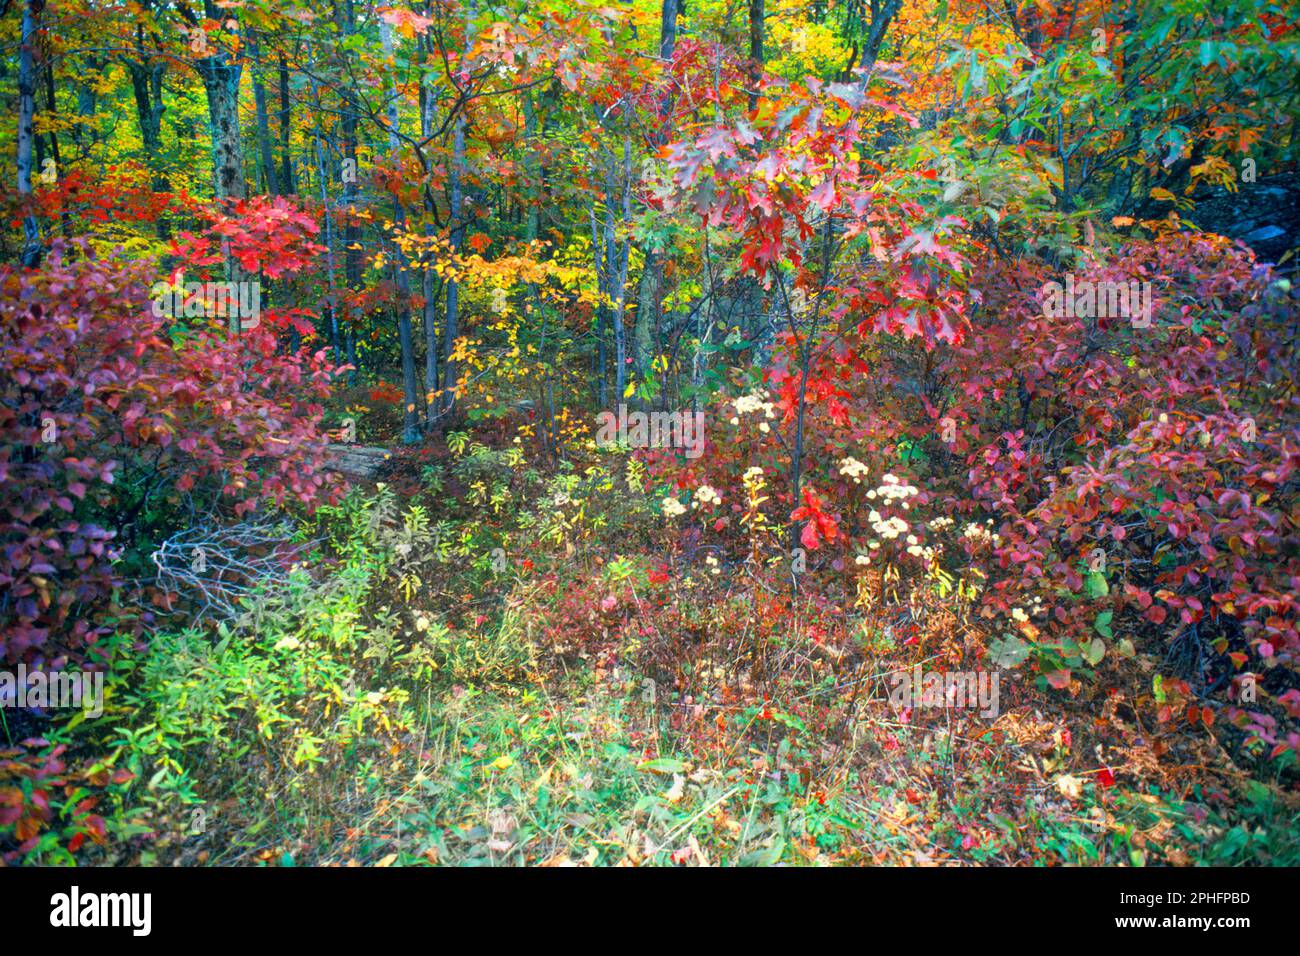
686, 433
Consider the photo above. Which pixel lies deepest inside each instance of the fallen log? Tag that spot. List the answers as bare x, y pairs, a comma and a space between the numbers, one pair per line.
357, 461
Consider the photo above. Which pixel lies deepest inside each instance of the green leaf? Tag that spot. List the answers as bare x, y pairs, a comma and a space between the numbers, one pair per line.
1102, 624
789, 720
1095, 586
1008, 651
662, 765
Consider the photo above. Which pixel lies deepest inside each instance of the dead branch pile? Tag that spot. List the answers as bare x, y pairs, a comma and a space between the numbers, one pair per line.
215, 568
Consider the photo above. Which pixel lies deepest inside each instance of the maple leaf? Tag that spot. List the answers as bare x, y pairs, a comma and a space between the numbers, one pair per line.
819, 523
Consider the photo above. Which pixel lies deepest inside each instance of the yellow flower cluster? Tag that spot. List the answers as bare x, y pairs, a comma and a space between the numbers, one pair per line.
704, 495
749, 404
887, 528
980, 534
852, 468
891, 489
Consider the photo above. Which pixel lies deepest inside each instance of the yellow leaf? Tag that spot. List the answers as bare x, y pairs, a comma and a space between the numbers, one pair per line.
1069, 786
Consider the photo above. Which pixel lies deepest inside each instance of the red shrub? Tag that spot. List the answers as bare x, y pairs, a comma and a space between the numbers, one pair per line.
1142, 480
94, 387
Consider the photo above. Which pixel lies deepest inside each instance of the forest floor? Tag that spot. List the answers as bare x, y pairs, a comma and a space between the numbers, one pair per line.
600, 712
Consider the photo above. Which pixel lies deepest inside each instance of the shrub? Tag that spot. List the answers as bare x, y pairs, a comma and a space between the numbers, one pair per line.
108, 416
1141, 482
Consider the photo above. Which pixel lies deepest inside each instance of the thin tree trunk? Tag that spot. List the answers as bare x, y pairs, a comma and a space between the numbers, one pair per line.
623, 257
220, 75
457, 229
882, 13
546, 429
286, 163
410, 414
600, 251
31, 255
269, 179
52, 107
650, 295
84, 137
146, 85
323, 177
351, 226
668, 29
431, 345
530, 138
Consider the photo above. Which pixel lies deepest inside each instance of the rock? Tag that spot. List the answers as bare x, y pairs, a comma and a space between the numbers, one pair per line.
1263, 235
1265, 215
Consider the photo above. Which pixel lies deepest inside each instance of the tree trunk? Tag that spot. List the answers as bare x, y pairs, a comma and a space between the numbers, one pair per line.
618, 271
269, 179
352, 250
645, 330
410, 414
546, 429
220, 75
146, 84
221, 82
429, 283
650, 295
286, 163
882, 13
31, 255
86, 133
52, 107
457, 229
534, 174
323, 178
668, 29
600, 251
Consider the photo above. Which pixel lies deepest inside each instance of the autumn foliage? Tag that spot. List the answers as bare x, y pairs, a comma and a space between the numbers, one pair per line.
111, 414
840, 233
